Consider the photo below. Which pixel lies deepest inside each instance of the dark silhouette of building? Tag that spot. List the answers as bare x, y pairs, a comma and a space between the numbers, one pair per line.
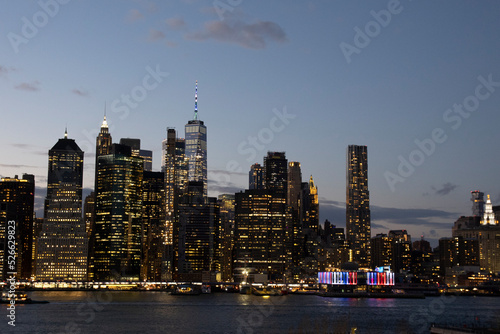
153, 226
276, 174
256, 177
16, 205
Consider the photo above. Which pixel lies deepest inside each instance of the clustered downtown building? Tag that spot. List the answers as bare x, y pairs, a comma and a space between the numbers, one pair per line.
145, 225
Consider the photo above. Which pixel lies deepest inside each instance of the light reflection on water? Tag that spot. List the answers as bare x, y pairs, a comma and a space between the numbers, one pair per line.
158, 312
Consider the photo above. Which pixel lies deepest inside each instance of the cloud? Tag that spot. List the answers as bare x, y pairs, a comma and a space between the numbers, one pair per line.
155, 35
445, 190
223, 185
134, 15
80, 92
29, 86
171, 44
4, 70
175, 23
17, 166
381, 217
251, 36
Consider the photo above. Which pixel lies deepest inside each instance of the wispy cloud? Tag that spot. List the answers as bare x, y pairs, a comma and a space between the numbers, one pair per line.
134, 15
29, 86
80, 92
252, 36
176, 23
445, 189
5, 70
17, 166
155, 35
223, 187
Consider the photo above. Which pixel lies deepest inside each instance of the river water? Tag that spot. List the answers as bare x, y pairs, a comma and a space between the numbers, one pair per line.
158, 312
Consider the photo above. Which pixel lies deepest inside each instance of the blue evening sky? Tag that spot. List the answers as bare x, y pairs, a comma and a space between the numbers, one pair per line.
342, 77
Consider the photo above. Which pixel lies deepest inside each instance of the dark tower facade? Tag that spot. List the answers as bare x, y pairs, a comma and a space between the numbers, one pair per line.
276, 173
358, 205
256, 177
16, 204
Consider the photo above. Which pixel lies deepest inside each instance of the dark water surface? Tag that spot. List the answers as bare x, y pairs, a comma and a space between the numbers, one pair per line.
157, 312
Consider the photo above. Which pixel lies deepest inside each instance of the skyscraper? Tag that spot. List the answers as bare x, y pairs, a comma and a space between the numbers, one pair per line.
153, 226
62, 243
261, 219
195, 244
135, 145
477, 199
294, 185
226, 236
16, 204
309, 217
175, 171
118, 219
196, 147
65, 166
276, 173
358, 204
256, 177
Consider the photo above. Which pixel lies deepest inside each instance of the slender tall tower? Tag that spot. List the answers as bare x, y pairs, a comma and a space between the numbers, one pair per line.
294, 184
196, 147
358, 204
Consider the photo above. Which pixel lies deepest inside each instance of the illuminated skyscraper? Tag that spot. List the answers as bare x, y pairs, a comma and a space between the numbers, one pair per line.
196, 147
256, 177
63, 243
175, 170
489, 215
16, 204
358, 204
118, 220
260, 232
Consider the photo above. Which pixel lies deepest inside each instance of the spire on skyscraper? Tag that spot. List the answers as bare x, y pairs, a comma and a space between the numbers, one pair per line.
66, 132
104, 122
196, 101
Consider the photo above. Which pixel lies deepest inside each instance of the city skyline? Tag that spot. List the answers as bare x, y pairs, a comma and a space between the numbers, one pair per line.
392, 96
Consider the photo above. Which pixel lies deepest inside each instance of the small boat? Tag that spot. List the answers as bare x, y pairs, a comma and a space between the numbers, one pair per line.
264, 291
186, 290
19, 298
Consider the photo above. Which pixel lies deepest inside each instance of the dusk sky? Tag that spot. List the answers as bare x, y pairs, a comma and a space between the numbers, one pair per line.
418, 82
